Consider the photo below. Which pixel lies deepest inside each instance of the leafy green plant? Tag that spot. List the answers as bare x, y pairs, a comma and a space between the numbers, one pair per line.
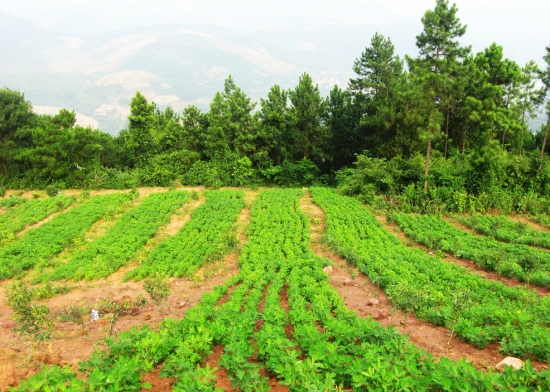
492, 255
52, 190
19, 216
158, 288
303, 334
503, 228
33, 322
49, 291
491, 310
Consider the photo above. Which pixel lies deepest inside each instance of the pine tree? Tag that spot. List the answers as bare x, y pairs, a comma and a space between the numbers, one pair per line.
231, 126
307, 110
528, 98
15, 114
379, 74
142, 120
545, 78
275, 139
339, 121
439, 49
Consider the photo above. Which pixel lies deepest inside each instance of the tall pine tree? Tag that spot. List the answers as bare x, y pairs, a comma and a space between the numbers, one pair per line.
439, 49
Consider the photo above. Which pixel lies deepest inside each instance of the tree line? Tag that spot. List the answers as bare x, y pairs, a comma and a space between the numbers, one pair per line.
448, 127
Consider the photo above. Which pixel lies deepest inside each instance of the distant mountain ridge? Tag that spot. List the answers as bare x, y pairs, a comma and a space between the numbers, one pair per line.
178, 65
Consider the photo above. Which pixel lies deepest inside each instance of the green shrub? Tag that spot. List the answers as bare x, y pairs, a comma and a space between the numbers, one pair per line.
33, 323
158, 288
52, 190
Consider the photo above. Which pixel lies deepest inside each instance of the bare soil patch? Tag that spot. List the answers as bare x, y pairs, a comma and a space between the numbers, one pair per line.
213, 360
158, 384
367, 300
289, 329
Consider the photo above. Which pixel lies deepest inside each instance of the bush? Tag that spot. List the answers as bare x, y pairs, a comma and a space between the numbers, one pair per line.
289, 174
52, 190
32, 321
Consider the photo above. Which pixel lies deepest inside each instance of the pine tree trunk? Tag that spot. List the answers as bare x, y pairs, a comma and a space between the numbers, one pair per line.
522, 133
6, 167
544, 143
447, 134
428, 152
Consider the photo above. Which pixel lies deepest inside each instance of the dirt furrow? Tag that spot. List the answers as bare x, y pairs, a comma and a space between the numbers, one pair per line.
368, 300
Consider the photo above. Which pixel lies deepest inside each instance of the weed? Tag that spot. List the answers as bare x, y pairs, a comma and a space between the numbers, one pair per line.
122, 307
158, 288
73, 313
49, 291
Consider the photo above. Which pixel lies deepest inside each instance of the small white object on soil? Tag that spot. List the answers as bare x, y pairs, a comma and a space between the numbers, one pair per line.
94, 315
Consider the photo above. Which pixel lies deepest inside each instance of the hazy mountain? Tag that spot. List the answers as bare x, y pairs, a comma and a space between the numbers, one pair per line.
92, 56
177, 65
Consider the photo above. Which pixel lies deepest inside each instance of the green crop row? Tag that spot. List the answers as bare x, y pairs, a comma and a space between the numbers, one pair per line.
43, 243
505, 229
12, 201
301, 332
28, 213
513, 261
199, 240
479, 311
543, 220
108, 253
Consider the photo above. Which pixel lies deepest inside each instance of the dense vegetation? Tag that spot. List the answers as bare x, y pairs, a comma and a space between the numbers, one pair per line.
511, 260
444, 130
206, 237
505, 229
329, 347
479, 311
27, 213
38, 246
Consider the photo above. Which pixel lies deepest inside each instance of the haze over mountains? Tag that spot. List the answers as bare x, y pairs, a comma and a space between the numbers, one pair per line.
92, 56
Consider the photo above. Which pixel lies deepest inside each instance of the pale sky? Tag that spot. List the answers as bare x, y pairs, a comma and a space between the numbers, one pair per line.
525, 22
523, 26
502, 15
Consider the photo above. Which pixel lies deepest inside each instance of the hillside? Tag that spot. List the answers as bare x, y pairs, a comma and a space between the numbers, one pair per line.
177, 65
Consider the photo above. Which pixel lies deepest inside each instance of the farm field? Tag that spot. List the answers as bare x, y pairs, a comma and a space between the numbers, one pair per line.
271, 289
